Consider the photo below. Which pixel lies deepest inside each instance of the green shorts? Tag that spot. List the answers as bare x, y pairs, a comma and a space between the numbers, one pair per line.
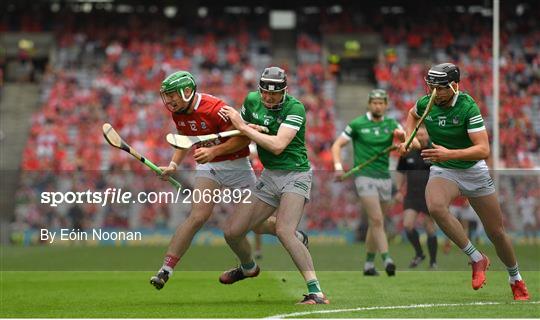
272, 184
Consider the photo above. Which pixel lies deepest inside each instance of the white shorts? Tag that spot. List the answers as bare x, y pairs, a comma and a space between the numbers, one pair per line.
234, 174
464, 213
472, 182
273, 183
366, 186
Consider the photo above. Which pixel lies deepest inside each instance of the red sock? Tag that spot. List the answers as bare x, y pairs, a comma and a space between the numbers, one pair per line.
170, 261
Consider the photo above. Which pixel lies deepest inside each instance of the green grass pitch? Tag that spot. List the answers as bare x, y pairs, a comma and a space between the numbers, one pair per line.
113, 282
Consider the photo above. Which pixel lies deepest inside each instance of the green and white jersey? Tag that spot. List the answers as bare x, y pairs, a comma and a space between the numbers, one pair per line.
292, 115
450, 126
369, 138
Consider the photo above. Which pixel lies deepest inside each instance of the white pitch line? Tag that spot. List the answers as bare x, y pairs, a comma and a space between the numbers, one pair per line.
412, 306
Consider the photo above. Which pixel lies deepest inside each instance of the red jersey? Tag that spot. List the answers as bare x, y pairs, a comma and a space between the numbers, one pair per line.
206, 119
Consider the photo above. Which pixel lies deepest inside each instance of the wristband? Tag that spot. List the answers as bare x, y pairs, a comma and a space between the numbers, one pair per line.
338, 166
173, 164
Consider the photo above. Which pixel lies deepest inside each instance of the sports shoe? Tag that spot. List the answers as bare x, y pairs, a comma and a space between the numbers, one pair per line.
479, 272
390, 269
371, 272
312, 298
237, 274
159, 279
433, 266
416, 261
305, 239
519, 289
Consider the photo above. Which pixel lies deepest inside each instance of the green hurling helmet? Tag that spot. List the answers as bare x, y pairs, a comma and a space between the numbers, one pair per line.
378, 94
178, 82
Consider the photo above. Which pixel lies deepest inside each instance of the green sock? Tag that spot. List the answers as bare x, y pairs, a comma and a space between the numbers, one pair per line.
313, 286
370, 257
385, 256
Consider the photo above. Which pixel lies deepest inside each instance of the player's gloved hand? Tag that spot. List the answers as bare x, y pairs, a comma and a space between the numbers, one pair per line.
204, 155
167, 171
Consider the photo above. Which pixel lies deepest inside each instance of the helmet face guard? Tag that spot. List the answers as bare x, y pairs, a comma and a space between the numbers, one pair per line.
273, 80
178, 82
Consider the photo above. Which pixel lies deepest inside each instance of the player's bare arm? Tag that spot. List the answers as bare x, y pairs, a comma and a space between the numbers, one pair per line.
275, 144
410, 124
340, 142
233, 144
401, 182
177, 158
478, 151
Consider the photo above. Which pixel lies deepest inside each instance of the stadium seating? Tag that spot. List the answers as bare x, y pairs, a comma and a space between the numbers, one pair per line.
100, 78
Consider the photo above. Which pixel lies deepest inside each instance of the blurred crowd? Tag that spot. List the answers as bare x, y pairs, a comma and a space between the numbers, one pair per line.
110, 70
446, 39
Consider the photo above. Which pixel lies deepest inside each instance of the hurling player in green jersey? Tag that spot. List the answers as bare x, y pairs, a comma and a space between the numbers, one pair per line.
371, 134
460, 145
285, 183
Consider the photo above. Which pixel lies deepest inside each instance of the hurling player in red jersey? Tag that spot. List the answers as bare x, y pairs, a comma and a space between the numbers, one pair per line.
222, 163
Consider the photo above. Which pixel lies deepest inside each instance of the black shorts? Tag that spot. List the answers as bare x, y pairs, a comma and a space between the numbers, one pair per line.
418, 204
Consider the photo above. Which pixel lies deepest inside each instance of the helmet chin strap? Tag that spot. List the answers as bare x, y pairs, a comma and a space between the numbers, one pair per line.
456, 90
188, 99
189, 102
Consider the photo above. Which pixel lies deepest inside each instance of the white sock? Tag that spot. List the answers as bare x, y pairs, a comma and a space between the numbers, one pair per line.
299, 236
513, 274
513, 279
387, 261
369, 265
472, 252
168, 269
250, 270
